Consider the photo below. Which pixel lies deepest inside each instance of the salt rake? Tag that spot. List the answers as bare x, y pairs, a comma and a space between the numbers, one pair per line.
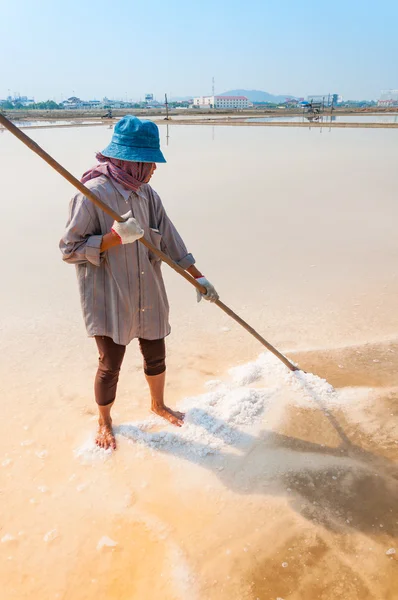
89, 194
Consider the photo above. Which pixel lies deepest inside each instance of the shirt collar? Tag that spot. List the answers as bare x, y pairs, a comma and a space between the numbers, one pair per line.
125, 192
121, 189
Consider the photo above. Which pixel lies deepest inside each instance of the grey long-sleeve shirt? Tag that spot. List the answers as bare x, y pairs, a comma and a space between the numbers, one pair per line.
121, 290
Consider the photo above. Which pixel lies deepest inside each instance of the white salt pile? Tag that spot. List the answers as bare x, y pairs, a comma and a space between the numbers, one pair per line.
268, 368
213, 420
227, 415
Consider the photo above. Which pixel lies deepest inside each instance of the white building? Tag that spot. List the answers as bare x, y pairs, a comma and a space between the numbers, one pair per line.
388, 98
72, 102
226, 102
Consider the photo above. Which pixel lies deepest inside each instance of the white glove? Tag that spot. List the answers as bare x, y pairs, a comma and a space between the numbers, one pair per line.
129, 231
211, 294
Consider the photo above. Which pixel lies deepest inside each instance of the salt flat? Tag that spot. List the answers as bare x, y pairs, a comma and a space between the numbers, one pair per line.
271, 491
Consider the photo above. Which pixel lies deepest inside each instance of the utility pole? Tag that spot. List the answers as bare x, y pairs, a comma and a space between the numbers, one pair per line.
167, 107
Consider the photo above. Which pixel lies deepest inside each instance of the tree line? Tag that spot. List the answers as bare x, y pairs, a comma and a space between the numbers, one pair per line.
49, 105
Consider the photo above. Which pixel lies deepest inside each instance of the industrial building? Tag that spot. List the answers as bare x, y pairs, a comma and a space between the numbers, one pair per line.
226, 102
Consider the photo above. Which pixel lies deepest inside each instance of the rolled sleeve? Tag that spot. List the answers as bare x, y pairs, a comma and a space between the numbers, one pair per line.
186, 262
93, 249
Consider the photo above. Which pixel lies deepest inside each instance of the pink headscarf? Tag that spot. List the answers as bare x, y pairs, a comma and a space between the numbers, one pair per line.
130, 174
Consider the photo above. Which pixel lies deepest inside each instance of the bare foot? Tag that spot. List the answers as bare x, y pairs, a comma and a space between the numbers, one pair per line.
173, 416
105, 437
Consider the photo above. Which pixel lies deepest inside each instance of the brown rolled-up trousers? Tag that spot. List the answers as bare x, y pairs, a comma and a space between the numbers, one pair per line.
110, 361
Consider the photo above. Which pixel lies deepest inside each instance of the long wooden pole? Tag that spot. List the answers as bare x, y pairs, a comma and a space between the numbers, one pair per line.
89, 194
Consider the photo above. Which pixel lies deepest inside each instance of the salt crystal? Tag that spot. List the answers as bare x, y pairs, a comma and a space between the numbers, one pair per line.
41, 453
6, 462
27, 442
43, 489
7, 538
285, 564
390, 551
50, 535
106, 542
225, 329
81, 487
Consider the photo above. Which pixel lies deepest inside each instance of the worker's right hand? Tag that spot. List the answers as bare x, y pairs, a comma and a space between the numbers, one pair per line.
129, 231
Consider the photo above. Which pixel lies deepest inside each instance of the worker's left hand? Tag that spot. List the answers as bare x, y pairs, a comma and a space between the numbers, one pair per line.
211, 294
129, 230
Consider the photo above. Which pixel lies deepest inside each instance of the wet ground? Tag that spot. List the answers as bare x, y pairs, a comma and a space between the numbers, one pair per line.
276, 493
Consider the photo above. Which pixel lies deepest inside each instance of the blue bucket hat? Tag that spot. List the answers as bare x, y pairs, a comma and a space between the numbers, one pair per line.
135, 140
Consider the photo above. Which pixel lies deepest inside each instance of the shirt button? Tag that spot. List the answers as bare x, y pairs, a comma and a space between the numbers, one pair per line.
142, 272
142, 309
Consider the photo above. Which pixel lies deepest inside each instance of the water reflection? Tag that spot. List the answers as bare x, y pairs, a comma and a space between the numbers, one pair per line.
56, 123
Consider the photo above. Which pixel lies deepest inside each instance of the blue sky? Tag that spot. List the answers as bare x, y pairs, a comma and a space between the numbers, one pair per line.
52, 49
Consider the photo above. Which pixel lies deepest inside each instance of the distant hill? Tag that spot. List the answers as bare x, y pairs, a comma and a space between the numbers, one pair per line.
180, 98
257, 95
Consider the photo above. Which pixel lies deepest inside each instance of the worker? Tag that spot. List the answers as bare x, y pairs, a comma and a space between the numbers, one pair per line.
122, 293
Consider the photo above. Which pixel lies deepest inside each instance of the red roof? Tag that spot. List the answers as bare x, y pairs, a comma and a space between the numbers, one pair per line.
231, 97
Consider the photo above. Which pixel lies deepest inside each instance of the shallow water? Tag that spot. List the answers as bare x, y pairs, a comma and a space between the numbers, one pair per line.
297, 229
390, 118
53, 123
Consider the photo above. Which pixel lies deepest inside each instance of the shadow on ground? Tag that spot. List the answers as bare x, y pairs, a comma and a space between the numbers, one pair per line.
341, 487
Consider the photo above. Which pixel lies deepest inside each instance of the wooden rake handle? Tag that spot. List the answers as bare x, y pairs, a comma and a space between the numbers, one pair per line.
89, 194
